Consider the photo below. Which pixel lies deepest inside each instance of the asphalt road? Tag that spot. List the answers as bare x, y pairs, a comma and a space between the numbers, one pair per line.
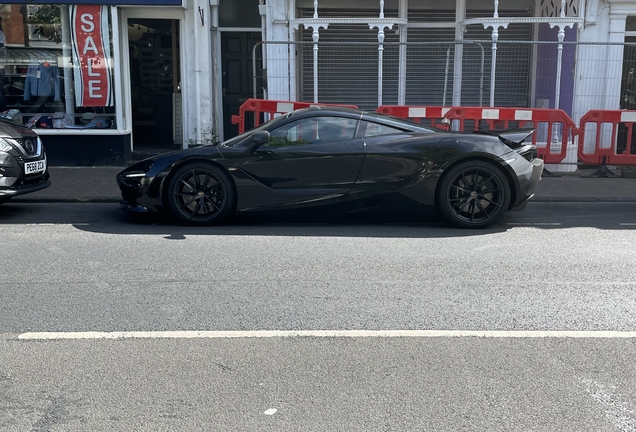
91, 269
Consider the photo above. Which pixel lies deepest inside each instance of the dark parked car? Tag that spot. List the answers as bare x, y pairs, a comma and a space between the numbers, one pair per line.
339, 159
23, 167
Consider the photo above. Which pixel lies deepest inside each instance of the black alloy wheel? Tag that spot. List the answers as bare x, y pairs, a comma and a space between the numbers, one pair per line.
201, 194
474, 194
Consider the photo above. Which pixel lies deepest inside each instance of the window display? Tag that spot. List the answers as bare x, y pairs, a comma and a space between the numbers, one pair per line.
56, 67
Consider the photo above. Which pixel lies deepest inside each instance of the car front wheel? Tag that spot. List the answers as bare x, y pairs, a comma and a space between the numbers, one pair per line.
473, 194
201, 194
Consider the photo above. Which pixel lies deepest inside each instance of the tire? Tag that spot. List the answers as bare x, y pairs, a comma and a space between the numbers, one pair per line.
474, 194
4, 200
201, 194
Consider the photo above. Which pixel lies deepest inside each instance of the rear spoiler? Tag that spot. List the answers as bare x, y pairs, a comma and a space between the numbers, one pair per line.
513, 138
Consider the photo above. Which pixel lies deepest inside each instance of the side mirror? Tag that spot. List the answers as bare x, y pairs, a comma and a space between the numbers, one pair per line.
260, 138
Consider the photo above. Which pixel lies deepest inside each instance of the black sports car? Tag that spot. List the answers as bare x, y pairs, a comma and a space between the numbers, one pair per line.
339, 159
23, 167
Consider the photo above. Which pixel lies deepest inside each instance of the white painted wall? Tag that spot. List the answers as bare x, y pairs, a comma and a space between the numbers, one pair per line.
281, 58
599, 67
196, 45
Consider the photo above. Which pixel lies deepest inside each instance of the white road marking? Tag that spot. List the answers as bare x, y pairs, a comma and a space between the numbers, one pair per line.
270, 411
535, 223
627, 224
325, 334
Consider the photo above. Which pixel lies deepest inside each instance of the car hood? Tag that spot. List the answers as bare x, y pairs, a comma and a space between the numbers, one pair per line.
156, 164
10, 129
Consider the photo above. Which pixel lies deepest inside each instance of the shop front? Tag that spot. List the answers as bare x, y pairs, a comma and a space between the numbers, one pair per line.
100, 83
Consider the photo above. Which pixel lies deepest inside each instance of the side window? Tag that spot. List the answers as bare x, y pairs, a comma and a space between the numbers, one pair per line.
336, 129
369, 129
313, 130
295, 133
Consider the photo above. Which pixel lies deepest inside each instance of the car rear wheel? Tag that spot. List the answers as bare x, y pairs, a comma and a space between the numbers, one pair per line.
4, 200
474, 194
201, 194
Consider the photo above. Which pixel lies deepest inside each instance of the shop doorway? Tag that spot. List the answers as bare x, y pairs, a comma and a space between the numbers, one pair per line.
236, 59
155, 84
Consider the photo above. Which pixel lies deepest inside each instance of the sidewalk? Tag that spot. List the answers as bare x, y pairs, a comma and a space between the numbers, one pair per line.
97, 184
78, 184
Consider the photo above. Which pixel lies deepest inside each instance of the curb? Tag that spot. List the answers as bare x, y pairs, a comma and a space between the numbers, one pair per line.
583, 199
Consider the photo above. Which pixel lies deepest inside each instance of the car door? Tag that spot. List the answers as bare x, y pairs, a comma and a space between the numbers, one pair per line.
309, 159
393, 161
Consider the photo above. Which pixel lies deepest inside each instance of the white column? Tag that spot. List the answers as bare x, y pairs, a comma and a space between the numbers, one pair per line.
69, 96
560, 38
494, 37
614, 61
279, 56
380, 27
197, 54
589, 83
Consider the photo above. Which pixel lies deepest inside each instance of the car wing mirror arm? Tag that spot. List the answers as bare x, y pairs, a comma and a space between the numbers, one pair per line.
258, 139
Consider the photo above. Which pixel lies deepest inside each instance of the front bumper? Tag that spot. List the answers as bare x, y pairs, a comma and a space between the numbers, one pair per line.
14, 182
140, 195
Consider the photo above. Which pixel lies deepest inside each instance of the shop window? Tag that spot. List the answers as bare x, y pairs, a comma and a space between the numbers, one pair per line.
56, 66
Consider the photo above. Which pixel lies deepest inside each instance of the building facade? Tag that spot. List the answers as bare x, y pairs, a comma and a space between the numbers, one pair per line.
105, 83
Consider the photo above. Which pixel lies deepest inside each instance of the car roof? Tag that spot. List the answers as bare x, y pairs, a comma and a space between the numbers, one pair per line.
328, 110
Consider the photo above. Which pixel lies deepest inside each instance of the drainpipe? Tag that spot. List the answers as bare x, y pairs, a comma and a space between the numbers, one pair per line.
262, 10
403, 12
460, 16
197, 73
216, 104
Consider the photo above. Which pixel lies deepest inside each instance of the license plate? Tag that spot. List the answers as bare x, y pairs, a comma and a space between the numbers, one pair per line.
34, 167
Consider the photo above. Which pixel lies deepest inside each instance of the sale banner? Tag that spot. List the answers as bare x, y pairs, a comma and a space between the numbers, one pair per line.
91, 56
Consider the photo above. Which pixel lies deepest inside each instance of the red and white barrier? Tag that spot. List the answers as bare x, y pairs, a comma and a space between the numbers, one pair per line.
605, 137
611, 136
554, 126
432, 114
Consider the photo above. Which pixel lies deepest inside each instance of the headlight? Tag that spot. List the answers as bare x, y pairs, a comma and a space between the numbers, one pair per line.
5, 146
135, 174
6, 159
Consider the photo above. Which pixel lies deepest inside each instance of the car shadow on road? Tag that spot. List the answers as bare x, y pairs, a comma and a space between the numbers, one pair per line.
108, 219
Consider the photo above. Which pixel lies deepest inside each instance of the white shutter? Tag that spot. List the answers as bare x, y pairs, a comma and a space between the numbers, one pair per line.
349, 73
